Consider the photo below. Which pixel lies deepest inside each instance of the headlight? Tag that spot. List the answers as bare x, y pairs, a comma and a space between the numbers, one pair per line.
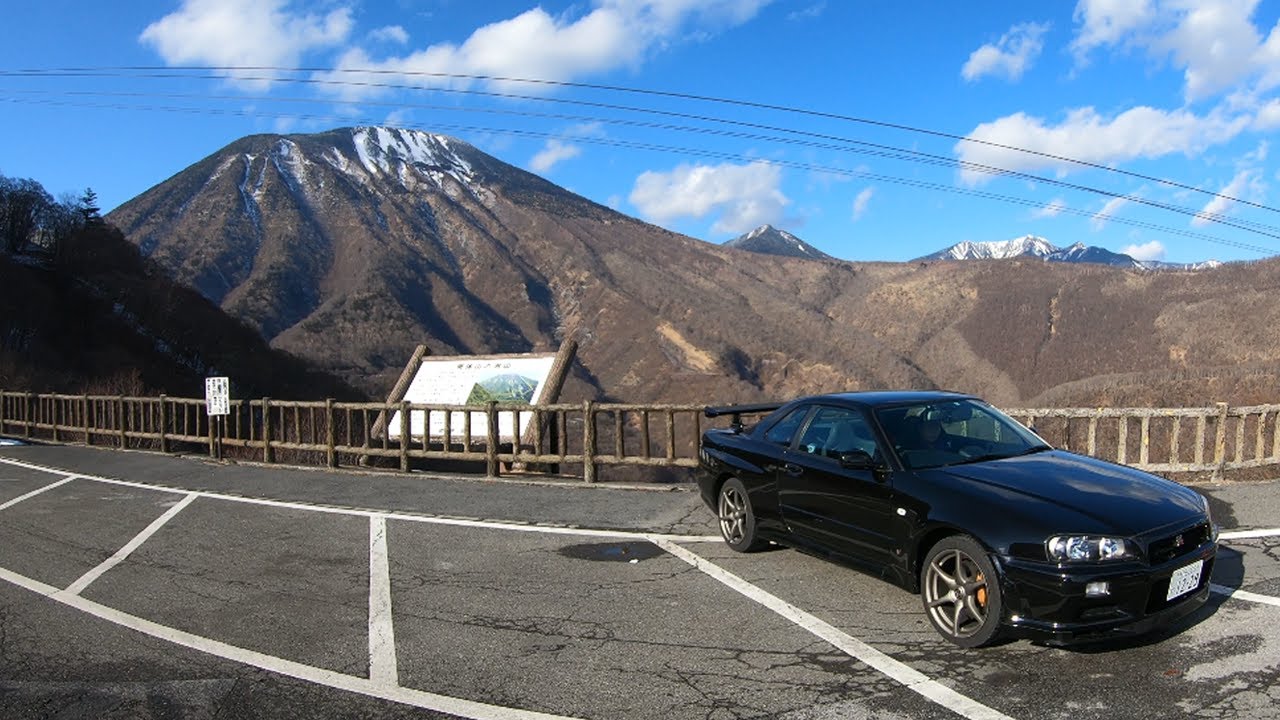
1208, 513
1087, 548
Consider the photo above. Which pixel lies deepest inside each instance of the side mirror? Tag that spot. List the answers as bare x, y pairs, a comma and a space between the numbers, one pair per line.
857, 460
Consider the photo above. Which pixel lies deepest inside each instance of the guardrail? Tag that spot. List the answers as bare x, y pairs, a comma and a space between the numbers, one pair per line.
576, 438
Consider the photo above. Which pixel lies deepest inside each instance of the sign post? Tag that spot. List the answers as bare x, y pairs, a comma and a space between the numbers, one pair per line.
217, 400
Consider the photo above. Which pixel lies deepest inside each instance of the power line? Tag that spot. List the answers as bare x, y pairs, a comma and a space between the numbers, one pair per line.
694, 152
680, 96
843, 144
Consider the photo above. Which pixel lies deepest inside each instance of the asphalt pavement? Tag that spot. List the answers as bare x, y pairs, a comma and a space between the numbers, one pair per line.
135, 585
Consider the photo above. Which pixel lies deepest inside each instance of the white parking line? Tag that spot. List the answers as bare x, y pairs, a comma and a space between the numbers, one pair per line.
1246, 534
383, 673
78, 586
382, 636
34, 493
913, 679
1239, 594
364, 686
335, 510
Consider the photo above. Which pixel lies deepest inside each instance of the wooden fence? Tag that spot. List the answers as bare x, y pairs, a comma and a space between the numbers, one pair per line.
577, 439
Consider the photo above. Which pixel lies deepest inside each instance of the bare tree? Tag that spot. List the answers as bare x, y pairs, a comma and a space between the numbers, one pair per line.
24, 210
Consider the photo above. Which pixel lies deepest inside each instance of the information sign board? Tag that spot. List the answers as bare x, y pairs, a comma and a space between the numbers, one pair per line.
217, 395
506, 380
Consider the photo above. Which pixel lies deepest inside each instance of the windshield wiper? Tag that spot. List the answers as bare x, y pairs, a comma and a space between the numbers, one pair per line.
1003, 456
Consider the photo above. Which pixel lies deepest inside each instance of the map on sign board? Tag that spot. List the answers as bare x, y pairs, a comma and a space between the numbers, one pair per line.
217, 395
510, 380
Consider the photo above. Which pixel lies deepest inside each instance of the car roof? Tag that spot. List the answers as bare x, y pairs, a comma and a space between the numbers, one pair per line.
886, 398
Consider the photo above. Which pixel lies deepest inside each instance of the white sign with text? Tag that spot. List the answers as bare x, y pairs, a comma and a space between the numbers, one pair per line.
514, 380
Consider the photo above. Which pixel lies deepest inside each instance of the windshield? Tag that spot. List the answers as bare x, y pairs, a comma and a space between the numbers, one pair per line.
954, 432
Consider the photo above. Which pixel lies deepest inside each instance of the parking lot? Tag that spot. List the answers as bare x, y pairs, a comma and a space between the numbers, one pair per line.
139, 585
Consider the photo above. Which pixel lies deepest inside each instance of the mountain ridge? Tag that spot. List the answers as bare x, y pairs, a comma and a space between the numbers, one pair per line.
351, 247
1038, 247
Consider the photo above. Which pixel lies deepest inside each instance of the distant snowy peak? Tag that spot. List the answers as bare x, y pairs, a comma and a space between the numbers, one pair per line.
997, 250
1032, 246
768, 240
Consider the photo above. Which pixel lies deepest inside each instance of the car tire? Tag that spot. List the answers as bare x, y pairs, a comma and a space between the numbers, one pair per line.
737, 519
960, 591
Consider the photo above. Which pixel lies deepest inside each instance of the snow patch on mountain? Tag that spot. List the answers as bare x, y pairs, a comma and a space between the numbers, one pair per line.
410, 155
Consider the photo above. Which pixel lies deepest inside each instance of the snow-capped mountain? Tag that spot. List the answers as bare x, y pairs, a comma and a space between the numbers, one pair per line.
769, 240
997, 250
1037, 247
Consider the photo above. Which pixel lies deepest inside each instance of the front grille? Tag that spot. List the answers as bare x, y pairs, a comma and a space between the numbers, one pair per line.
1165, 549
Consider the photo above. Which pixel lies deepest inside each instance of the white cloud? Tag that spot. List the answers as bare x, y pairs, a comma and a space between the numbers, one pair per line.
809, 12
1099, 219
861, 201
1214, 42
552, 154
261, 33
538, 45
1053, 209
1109, 22
1268, 117
1140, 132
391, 33
1010, 56
743, 196
1147, 251
1226, 198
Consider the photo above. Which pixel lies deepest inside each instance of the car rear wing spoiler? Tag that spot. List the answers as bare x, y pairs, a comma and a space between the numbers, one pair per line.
737, 411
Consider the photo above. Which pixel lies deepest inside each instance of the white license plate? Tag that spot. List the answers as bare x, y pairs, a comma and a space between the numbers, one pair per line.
1184, 580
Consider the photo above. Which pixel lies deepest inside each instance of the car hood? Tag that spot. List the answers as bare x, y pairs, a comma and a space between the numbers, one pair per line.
1088, 495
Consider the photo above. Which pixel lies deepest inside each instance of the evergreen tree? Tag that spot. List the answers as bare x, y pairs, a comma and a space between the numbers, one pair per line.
89, 209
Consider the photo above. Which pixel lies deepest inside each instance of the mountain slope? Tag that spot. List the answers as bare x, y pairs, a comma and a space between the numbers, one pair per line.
351, 247
101, 320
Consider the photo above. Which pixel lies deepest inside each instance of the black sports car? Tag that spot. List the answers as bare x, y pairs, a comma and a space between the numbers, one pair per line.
1001, 534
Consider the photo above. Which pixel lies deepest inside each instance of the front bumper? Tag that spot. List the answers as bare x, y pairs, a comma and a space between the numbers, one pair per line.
1048, 603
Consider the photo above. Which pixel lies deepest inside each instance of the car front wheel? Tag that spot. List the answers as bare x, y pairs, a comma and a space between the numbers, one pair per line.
737, 520
961, 592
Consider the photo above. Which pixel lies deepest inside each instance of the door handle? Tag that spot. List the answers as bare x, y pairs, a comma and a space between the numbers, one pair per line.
793, 469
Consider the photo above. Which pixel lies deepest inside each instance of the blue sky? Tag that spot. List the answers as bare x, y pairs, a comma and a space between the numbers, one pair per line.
851, 123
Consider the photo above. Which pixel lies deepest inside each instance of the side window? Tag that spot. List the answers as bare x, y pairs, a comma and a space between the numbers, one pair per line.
835, 432
783, 430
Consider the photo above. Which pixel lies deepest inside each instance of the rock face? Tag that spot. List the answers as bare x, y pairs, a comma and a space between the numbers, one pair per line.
351, 247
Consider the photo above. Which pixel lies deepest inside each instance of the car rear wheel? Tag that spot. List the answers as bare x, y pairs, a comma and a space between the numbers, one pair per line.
961, 592
737, 520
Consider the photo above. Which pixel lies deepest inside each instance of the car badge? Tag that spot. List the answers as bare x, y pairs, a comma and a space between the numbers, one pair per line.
1178, 541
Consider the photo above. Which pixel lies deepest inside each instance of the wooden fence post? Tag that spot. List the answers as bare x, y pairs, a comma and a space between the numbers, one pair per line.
1220, 441
30, 414
84, 417
491, 437
164, 423
331, 454
56, 419
268, 456
588, 441
124, 438
406, 435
